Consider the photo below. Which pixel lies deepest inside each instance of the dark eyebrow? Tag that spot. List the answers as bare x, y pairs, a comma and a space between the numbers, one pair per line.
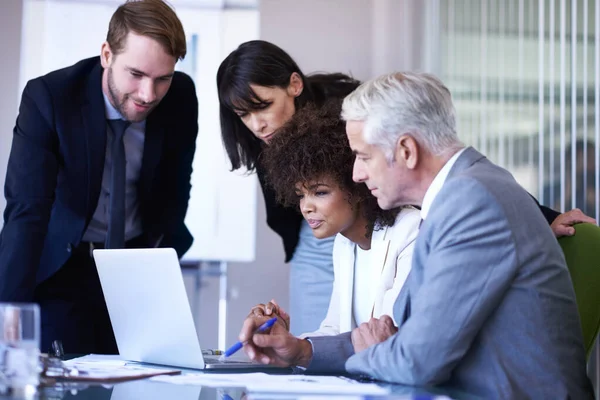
316, 185
137, 71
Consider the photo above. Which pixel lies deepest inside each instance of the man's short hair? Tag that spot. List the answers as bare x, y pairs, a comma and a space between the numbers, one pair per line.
404, 103
152, 18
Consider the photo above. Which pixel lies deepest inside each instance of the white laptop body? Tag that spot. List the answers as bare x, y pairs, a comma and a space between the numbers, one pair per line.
149, 309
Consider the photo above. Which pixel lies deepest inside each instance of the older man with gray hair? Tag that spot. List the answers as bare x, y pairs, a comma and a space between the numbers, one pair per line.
488, 307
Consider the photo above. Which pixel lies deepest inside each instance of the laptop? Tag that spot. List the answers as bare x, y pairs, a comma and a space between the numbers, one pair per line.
150, 312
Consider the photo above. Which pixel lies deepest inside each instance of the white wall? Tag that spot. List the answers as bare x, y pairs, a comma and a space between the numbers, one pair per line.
332, 35
398, 37
11, 12
222, 203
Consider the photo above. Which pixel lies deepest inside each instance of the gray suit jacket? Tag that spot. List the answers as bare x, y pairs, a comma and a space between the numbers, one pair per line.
489, 306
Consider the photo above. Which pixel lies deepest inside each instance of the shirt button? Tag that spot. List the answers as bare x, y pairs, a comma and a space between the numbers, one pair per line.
69, 247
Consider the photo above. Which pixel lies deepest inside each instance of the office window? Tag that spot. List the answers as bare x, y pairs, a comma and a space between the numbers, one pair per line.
525, 76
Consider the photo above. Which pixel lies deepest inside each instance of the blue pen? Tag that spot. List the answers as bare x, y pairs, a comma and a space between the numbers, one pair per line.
260, 329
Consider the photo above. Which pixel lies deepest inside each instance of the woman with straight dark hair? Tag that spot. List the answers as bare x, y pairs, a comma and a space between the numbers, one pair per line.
260, 88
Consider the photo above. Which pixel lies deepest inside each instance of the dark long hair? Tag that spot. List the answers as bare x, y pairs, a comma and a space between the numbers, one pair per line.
264, 64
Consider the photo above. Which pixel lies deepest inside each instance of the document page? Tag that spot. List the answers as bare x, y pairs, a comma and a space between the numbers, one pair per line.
264, 383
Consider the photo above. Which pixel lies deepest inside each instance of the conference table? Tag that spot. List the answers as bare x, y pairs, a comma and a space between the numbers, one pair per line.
149, 389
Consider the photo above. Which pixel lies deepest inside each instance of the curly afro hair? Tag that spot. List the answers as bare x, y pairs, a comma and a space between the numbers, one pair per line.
311, 146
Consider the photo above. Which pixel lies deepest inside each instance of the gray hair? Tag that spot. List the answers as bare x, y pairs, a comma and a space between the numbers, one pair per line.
404, 103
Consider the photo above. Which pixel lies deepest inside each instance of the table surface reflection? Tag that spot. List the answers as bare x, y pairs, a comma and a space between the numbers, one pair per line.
151, 390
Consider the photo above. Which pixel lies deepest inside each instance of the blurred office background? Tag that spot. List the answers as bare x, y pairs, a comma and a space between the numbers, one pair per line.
525, 76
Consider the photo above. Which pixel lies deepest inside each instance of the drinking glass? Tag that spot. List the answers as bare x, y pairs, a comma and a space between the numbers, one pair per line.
19, 348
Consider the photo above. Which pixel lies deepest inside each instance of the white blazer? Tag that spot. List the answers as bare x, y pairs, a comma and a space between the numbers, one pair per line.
391, 251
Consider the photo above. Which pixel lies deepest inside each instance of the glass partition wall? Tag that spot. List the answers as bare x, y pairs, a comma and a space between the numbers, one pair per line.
525, 76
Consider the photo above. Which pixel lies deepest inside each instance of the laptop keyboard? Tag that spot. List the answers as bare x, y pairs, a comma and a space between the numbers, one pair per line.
217, 360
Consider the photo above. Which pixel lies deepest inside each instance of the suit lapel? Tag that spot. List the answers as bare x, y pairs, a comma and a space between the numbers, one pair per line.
378, 257
94, 134
402, 304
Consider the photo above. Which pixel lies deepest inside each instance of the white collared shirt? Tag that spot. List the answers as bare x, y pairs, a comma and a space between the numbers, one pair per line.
437, 183
362, 293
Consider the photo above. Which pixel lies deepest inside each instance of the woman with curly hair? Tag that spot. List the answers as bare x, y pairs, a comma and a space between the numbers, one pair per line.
309, 165
260, 87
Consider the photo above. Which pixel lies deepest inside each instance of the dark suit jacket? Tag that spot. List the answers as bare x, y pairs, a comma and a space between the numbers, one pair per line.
55, 169
548, 213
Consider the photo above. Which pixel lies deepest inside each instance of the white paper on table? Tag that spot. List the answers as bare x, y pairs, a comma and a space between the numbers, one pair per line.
315, 384
111, 367
96, 360
263, 383
208, 380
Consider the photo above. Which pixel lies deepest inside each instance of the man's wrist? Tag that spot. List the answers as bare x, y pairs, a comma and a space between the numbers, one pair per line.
306, 353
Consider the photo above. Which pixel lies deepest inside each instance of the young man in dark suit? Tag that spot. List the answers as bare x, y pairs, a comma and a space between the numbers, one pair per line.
101, 158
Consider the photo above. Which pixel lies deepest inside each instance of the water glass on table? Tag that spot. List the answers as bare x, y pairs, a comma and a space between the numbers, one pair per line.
19, 349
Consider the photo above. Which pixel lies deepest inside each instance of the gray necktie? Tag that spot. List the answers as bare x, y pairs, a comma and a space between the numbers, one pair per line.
115, 238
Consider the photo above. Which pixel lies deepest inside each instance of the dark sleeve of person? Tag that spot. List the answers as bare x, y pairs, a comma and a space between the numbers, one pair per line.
29, 190
176, 234
330, 353
549, 213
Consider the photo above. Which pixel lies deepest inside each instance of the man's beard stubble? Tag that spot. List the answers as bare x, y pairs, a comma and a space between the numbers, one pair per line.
115, 96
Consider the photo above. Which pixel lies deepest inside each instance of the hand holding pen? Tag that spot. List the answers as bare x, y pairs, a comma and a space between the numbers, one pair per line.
277, 347
238, 345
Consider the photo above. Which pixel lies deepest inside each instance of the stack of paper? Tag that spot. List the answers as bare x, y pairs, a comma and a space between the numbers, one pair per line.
264, 383
110, 369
